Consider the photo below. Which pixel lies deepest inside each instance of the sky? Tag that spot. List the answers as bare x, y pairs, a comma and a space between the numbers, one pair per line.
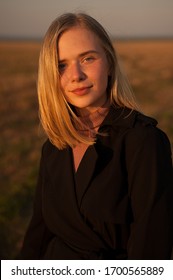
121, 18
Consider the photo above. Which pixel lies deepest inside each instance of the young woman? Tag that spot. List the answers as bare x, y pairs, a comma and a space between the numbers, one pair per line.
105, 187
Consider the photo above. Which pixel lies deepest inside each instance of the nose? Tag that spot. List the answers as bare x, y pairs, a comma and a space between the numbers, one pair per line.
76, 72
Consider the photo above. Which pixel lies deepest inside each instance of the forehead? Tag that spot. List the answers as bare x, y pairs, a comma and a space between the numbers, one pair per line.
78, 40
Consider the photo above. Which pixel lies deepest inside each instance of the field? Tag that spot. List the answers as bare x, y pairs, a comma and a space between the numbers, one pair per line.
149, 67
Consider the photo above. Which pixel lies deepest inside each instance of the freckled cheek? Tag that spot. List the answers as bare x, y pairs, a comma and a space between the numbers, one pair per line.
100, 72
95, 74
102, 77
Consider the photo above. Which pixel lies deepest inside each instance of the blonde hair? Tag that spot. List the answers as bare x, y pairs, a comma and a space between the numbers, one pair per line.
59, 121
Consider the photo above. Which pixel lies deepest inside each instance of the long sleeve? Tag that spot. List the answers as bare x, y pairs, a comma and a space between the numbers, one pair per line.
150, 179
37, 235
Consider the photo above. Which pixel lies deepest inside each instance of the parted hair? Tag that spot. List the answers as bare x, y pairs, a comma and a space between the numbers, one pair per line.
57, 117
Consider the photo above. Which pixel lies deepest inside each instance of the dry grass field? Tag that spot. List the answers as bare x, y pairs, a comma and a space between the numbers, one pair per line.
149, 67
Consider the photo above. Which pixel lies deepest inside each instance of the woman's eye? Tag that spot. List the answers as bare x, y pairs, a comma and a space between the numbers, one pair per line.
88, 59
61, 67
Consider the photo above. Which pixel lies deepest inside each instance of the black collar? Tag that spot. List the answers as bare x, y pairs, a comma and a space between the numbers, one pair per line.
125, 117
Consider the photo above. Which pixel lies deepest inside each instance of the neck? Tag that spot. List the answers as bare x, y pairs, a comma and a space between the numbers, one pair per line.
90, 123
86, 112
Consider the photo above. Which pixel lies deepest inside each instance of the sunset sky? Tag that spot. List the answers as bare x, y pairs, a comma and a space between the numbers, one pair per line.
121, 18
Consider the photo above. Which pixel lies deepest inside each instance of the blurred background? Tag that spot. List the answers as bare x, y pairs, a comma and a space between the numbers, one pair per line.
142, 32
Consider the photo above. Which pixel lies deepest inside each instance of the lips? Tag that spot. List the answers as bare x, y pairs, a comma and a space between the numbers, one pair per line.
81, 90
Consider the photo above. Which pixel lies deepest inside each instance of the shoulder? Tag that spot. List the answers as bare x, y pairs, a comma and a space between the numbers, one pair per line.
125, 117
145, 130
143, 135
51, 156
135, 127
48, 149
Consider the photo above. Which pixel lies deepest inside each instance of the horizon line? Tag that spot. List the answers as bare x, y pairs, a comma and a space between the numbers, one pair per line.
114, 37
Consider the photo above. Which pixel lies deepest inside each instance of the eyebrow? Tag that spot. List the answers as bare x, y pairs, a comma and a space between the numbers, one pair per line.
82, 54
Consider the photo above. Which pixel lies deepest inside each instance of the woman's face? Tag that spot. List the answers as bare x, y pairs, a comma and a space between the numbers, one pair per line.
83, 69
